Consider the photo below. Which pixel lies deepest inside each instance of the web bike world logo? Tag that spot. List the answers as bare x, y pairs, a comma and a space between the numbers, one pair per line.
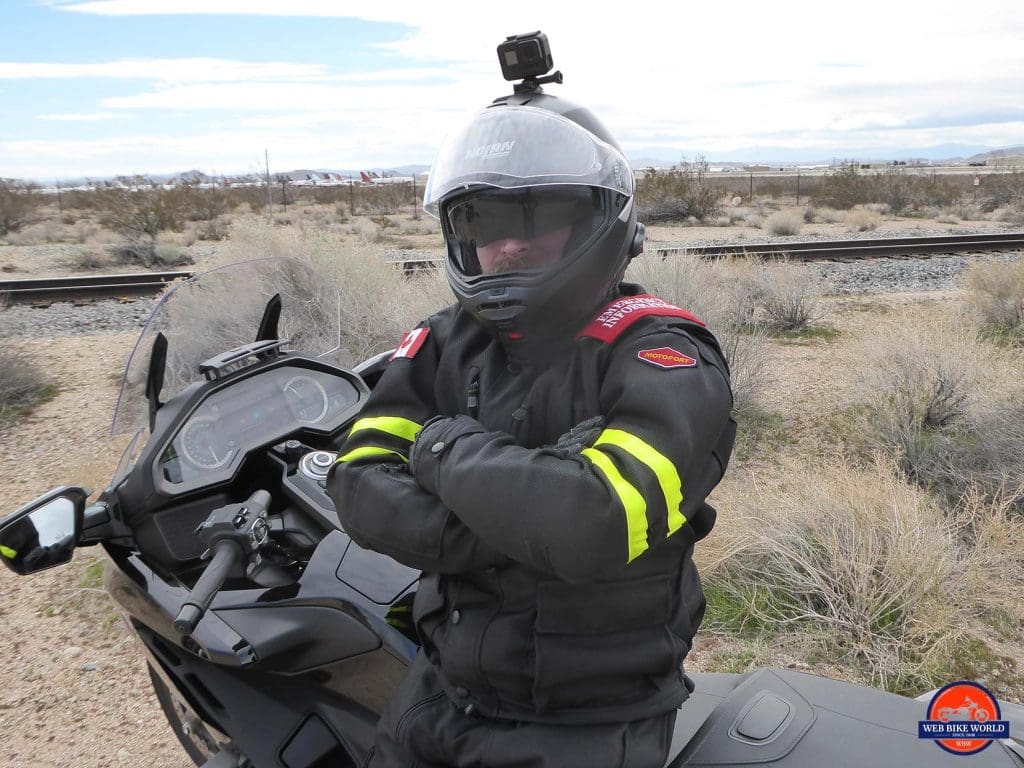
963, 718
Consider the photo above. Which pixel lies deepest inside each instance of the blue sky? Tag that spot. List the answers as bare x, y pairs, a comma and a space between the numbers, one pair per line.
103, 87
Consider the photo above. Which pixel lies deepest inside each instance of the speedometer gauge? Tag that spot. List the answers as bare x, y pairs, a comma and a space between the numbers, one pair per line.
306, 398
202, 446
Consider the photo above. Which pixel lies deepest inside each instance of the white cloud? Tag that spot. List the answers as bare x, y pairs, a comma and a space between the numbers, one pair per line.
684, 77
82, 117
187, 70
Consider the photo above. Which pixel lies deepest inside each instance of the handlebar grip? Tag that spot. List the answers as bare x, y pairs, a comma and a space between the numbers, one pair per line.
225, 556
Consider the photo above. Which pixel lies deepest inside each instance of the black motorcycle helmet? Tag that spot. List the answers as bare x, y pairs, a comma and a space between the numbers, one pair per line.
535, 201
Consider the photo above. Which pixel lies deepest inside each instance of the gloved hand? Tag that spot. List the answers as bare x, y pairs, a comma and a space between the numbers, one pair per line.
581, 436
433, 442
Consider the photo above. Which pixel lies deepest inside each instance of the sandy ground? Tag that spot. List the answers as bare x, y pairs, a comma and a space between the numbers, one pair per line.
73, 685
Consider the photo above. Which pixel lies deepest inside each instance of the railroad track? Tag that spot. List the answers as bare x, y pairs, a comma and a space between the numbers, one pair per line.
148, 283
851, 250
86, 287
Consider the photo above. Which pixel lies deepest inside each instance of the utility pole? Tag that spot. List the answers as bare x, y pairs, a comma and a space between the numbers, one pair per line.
798, 186
60, 202
351, 196
270, 195
284, 195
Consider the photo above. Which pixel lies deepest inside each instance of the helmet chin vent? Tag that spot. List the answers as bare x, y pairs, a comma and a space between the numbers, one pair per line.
499, 305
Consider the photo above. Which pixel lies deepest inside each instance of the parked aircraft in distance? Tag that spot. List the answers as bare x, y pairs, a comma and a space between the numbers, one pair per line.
376, 178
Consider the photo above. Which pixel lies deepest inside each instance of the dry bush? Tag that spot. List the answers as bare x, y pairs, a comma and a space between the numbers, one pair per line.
950, 410
871, 566
947, 219
18, 201
754, 220
831, 215
846, 187
784, 223
146, 252
861, 220
705, 288
677, 194
89, 259
378, 303
1008, 215
21, 381
146, 211
995, 294
1003, 189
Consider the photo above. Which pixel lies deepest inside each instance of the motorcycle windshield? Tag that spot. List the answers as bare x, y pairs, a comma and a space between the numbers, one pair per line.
220, 310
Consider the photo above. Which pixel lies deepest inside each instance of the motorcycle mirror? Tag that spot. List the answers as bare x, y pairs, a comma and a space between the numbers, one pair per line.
44, 532
155, 376
271, 315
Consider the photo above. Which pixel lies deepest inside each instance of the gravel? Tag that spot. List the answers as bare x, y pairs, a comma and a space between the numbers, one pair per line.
64, 318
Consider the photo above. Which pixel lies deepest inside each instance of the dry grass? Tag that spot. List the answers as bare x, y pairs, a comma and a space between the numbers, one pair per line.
785, 223
873, 569
862, 220
995, 294
22, 384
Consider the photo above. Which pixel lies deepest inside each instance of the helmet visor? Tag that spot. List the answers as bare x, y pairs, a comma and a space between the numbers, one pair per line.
526, 229
512, 147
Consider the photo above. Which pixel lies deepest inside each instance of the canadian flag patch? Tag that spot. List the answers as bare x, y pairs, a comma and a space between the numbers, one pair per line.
666, 357
411, 343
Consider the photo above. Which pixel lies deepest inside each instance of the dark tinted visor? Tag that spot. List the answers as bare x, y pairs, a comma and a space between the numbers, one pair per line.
540, 224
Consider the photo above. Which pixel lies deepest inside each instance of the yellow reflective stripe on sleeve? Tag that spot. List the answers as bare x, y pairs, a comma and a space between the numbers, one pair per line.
367, 451
663, 469
632, 502
7, 552
392, 425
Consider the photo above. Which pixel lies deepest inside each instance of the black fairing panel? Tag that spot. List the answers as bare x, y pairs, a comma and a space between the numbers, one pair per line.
784, 718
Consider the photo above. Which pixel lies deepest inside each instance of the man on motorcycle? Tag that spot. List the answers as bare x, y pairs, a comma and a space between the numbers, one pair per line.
541, 450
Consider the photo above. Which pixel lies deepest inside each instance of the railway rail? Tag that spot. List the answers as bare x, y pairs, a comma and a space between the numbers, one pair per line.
84, 287
148, 283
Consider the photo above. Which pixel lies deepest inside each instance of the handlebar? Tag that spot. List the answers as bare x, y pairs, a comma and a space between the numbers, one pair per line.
226, 555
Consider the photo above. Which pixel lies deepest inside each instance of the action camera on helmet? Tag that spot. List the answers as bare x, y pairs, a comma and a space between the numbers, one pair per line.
525, 57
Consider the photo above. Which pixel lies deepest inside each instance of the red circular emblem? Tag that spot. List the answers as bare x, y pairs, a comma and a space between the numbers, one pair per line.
963, 701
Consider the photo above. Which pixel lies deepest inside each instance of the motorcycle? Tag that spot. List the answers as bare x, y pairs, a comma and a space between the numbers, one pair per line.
264, 627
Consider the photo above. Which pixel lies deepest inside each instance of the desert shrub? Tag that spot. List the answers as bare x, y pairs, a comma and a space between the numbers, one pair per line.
378, 303
88, 259
215, 229
677, 194
874, 568
148, 253
17, 202
705, 288
830, 215
950, 410
204, 204
787, 295
846, 187
21, 381
995, 293
861, 220
1003, 189
146, 211
754, 220
1008, 215
784, 223
947, 219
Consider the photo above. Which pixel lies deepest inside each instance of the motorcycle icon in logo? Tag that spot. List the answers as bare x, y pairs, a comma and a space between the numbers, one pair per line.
963, 719
968, 711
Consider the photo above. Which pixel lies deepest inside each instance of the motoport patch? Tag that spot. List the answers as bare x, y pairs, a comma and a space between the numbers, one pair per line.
666, 357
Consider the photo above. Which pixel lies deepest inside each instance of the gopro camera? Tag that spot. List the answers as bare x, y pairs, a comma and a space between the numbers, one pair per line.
525, 57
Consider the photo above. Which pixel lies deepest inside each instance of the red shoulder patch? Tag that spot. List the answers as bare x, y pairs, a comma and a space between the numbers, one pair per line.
622, 313
411, 343
666, 357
